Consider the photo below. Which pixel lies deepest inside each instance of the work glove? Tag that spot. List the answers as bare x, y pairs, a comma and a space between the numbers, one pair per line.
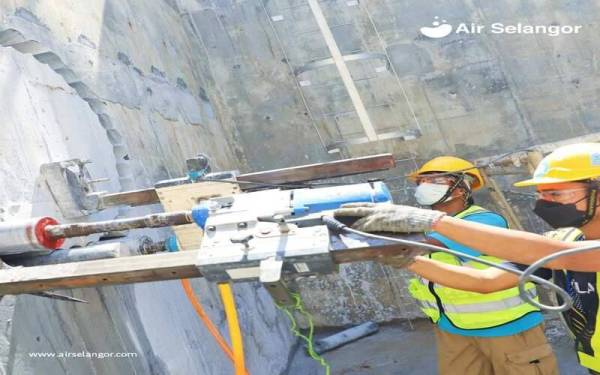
385, 217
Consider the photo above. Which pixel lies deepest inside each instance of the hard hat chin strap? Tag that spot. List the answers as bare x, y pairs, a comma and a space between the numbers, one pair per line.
592, 202
459, 179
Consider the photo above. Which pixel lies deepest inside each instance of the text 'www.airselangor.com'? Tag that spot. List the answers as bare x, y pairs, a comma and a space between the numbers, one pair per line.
83, 354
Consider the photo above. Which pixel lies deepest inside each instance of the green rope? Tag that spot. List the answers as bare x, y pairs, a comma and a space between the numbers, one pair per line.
298, 306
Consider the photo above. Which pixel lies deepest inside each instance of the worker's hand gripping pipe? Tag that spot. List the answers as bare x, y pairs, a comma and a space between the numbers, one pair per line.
524, 276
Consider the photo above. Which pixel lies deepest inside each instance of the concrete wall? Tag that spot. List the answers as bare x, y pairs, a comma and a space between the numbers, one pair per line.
139, 86
119, 83
472, 95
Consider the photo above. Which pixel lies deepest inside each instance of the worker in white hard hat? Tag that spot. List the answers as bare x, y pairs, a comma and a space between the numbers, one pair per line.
567, 183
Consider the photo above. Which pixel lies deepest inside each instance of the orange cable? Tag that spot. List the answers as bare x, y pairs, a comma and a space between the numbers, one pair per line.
187, 287
207, 322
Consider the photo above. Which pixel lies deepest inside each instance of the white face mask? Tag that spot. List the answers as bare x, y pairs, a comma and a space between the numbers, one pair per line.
428, 193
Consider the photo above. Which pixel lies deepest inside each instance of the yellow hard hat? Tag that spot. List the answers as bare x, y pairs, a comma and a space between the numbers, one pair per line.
450, 164
580, 161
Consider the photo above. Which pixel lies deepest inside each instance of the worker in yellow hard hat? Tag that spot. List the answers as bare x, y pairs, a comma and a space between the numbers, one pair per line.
567, 183
475, 333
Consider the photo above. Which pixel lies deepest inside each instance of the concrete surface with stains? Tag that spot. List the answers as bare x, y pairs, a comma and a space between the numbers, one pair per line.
408, 348
139, 86
471, 95
70, 91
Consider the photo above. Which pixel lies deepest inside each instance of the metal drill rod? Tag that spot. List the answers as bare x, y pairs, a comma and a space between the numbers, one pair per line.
149, 221
60, 297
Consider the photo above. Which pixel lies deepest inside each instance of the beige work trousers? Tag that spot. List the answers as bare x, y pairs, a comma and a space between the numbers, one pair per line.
526, 353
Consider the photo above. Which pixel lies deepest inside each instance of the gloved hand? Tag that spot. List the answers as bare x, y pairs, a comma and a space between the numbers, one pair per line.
385, 217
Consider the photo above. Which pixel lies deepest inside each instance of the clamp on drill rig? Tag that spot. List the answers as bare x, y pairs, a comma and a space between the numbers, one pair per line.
230, 227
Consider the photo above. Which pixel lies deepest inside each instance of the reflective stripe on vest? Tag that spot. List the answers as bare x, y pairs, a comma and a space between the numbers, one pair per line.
586, 360
470, 310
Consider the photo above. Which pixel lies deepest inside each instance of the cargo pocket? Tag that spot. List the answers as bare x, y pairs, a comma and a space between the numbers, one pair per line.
539, 360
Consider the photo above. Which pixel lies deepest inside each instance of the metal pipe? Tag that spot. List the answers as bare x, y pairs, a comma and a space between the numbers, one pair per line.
100, 251
149, 221
29, 235
347, 336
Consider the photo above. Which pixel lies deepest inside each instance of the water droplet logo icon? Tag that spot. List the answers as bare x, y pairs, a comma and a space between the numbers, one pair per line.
439, 29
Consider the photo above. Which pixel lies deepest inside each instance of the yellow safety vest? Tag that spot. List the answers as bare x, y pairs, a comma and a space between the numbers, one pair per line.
583, 320
470, 310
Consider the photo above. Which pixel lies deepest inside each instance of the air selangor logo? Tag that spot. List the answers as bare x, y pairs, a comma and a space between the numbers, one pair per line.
442, 29
439, 30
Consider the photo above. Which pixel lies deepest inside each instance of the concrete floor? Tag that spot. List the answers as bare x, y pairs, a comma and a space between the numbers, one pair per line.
409, 348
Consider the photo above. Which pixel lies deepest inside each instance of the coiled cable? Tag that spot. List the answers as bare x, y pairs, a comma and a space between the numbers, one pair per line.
524, 276
529, 271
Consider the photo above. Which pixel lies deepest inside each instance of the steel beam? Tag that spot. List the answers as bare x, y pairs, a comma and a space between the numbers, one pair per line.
133, 269
155, 267
301, 173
